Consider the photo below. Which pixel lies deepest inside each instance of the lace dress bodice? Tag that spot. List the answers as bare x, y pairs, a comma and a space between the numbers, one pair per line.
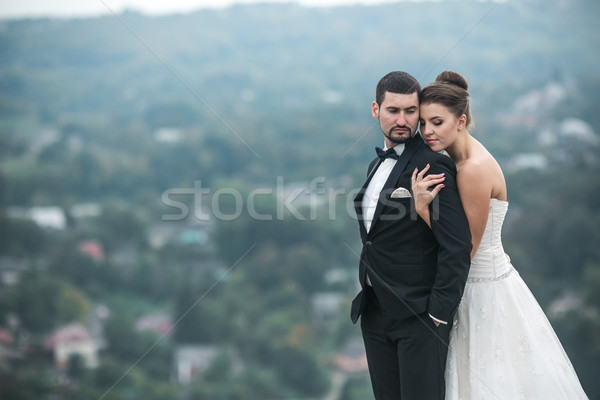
490, 262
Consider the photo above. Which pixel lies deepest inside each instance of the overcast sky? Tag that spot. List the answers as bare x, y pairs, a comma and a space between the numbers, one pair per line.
70, 8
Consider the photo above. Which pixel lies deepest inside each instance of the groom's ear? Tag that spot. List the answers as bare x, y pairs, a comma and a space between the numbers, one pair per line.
375, 110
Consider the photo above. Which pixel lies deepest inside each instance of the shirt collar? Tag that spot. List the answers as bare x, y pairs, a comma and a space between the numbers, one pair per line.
399, 148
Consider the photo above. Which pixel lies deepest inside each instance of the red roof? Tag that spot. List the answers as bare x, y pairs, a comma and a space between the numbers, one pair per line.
92, 248
5, 337
73, 333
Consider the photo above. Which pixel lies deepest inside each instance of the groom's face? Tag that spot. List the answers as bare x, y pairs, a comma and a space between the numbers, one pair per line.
398, 117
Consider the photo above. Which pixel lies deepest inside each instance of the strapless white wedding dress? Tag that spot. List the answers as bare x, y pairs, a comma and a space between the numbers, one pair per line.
502, 346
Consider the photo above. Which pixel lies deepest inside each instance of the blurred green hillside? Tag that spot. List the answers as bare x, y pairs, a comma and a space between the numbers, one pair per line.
180, 186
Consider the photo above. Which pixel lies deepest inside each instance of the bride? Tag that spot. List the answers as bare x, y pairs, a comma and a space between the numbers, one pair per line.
502, 346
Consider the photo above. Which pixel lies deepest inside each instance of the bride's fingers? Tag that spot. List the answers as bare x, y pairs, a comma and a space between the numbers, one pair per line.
437, 189
432, 181
422, 173
433, 176
413, 181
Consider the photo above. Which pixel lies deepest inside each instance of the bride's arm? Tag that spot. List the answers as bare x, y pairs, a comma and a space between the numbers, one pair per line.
475, 192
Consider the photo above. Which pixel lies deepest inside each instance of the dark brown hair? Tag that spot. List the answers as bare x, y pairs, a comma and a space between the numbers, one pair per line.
399, 82
450, 90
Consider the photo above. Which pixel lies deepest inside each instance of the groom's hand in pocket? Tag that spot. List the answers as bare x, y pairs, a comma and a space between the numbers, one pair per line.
436, 321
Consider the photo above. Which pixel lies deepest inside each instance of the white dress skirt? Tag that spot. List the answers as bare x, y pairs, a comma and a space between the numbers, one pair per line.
502, 346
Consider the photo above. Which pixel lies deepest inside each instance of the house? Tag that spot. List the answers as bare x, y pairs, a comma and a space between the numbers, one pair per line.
93, 249
45, 217
522, 161
168, 135
540, 100
160, 323
163, 233
73, 340
326, 307
6, 344
11, 270
353, 358
580, 130
337, 276
295, 195
86, 210
528, 109
49, 217
190, 361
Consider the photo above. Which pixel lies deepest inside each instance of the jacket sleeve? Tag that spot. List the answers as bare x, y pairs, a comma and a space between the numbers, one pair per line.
451, 229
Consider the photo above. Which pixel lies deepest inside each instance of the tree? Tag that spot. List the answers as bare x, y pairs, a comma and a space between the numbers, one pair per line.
299, 370
21, 238
578, 328
34, 300
71, 305
305, 265
357, 388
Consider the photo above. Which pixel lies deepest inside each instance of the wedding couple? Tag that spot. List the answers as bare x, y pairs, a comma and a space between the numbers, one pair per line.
430, 227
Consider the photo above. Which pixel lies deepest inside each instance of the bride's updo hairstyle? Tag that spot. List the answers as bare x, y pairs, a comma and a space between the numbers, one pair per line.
450, 90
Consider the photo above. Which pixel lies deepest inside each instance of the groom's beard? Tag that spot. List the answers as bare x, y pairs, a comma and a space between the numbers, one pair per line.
399, 138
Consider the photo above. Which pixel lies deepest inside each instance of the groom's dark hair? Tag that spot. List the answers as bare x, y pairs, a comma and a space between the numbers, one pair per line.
396, 82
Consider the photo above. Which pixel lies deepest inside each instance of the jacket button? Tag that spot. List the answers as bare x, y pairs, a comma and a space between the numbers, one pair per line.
368, 243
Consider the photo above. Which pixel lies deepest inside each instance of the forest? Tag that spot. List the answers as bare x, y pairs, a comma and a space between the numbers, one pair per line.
176, 191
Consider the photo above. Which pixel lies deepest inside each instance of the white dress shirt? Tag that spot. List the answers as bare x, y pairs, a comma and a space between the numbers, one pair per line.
371, 196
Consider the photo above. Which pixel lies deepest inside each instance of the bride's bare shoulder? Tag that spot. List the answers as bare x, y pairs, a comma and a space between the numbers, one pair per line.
481, 169
471, 168
478, 165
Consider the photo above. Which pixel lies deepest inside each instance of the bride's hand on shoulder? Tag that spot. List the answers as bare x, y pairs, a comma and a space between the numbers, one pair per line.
420, 185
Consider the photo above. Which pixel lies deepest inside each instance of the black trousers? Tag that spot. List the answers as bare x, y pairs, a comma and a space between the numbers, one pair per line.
407, 358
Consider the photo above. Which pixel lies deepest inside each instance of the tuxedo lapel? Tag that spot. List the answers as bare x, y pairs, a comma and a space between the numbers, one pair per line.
359, 198
411, 148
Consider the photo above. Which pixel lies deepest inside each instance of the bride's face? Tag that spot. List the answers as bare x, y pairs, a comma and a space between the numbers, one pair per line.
439, 126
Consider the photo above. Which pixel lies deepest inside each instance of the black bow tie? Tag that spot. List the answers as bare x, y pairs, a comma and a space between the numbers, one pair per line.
383, 154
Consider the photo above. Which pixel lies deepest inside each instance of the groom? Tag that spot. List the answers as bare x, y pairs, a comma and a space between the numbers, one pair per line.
412, 277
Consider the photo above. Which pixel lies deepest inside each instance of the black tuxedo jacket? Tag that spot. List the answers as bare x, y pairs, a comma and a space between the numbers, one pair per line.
414, 269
